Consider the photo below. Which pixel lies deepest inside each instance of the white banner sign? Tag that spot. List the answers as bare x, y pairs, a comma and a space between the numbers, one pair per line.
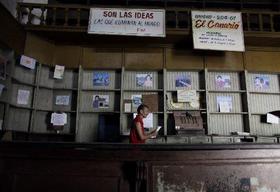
135, 22
217, 31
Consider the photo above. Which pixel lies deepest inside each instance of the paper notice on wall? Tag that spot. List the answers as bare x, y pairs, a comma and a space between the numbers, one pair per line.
27, 62
23, 97
224, 104
58, 72
62, 100
270, 118
186, 96
59, 119
216, 30
148, 121
124, 21
127, 106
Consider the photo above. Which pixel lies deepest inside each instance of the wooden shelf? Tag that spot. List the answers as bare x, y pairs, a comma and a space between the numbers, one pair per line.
115, 112
101, 90
173, 90
264, 93
22, 82
64, 111
160, 112
229, 113
21, 107
143, 90
172, 110
55, 88
258, 113
227, 91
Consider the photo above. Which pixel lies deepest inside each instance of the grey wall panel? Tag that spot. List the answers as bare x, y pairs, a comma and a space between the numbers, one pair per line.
234, 80
236, 101
263, 103
225, 124
46, 77
70, 78
18, 119
130, 80
69, 107
126, 122
15, 88
87, 79
265, 129
88, 126
87, 101
24, 74
42, 123
172, 76
4, 96
44, 99
273, 82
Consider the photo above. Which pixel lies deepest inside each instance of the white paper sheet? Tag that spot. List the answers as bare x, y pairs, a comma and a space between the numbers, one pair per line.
58, 72
224, 106
59, 119
27, 62
127, 107
224, 103
270, 118
186, 96
62, 100
23, 97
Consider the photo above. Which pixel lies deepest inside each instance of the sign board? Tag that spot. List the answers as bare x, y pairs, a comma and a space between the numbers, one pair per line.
134, 22
217, 31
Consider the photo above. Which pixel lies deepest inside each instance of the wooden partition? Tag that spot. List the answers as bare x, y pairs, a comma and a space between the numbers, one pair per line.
144, 58
102, 58
183, 59
66, 55
28, 167
224, 61
267, 61
39, 48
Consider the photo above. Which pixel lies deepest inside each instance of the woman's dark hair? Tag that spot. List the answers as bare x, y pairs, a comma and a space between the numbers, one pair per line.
141, 107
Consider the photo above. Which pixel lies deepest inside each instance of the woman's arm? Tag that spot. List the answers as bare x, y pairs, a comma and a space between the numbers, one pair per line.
144, 136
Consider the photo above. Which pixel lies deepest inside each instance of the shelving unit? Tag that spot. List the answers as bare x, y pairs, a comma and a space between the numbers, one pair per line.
91, 118
86, 123
130, 88
223, 123
262, 101
197, 83
19, 115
